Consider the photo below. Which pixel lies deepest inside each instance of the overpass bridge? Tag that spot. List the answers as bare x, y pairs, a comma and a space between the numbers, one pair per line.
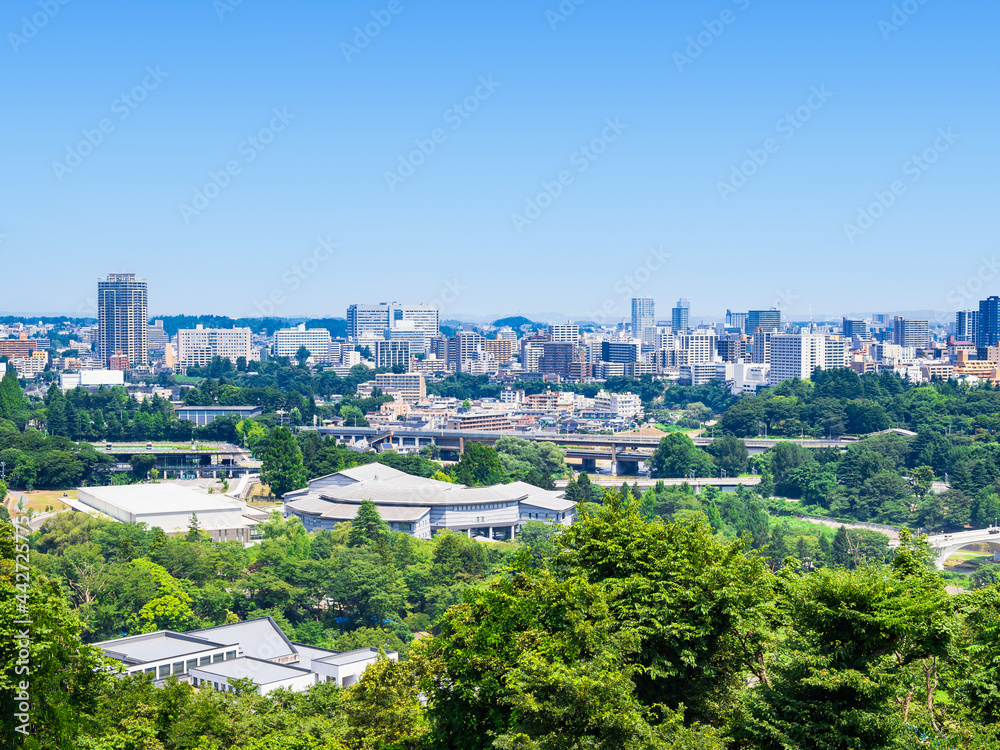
601, 447
946, 545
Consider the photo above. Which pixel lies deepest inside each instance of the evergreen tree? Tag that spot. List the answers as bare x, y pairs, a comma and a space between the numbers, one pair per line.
840, 552
281, 468
367, 526
13, 404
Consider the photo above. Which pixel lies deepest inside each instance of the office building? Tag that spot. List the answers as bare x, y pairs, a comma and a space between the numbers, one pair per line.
855, 329
377, 319
156, 337
123, 320
565, 333
967, 325
643, 315
732, 347
464, 347
680, 316
837, 352
406, 330
760, 346
197, 346
621, 352
287, 342
796, 355
913, 333
768, 321
391, 353
699, 345
988, 324
736, 321
410, 387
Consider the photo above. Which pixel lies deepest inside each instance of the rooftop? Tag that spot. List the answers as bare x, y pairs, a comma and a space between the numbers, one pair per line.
260, 671
151, 647
260, 638
153, 498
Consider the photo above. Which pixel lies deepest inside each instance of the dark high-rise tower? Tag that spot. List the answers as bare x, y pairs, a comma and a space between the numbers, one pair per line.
989, 322
123, 319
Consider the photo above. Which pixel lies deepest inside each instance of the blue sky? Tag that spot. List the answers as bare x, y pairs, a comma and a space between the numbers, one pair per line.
757, 154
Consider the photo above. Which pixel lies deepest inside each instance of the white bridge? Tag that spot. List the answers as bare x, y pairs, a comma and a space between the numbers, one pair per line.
946, 545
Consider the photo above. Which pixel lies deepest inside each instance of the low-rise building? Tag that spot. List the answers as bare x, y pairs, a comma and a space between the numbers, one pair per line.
257, 650
421, 507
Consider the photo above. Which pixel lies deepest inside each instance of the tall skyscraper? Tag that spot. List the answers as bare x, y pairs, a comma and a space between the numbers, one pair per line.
680, 316
643, 315
989, 322
767, 320
123, 320
913, 333
967, 325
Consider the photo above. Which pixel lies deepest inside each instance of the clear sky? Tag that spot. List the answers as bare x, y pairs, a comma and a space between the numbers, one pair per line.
719, 151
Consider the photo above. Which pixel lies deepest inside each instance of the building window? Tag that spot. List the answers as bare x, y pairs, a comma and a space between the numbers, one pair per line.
216, 658
192, 663
206, 660
230, 655
164, 671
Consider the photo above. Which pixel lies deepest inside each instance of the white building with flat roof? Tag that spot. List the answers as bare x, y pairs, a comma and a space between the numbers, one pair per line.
197, 346
796, 355
214, 658
317, 340
90, 379
167, 505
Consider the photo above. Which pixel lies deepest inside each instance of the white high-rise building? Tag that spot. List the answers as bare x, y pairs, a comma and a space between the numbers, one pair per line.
197, 346
317, 340
796, 355
377, 319
564, 333
643, 315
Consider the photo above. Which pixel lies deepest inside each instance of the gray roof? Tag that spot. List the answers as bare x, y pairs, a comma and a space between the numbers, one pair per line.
150, 647
309, 654
260, 638
352, 657
260, 671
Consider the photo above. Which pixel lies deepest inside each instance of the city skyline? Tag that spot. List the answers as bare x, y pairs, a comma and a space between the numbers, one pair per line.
628, 150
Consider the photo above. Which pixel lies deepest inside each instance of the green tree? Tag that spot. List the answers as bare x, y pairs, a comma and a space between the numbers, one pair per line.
846, 653
63, 676
480, 466
699, 605
302, 355
730, 454
677, 456
367, 526
383, 709
281, 467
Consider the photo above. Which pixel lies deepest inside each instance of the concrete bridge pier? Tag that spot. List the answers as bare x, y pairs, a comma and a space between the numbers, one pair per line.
628, 467
588, 465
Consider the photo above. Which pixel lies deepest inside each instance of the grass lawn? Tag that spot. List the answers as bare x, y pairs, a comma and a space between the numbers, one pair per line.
39, 500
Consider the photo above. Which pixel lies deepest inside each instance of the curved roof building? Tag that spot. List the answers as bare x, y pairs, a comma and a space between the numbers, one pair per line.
420, 507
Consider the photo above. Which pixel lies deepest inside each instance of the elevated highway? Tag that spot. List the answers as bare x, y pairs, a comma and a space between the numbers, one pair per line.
946, 545
453, 441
